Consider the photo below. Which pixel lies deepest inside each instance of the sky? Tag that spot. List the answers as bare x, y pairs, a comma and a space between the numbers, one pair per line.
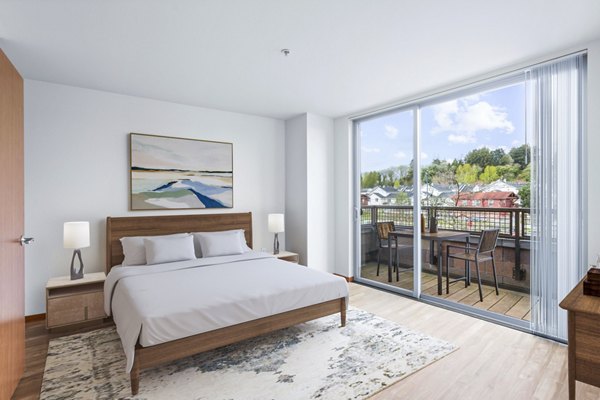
449, 130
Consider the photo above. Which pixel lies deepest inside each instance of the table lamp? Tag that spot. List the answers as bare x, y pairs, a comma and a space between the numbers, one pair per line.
76, 235
276, 225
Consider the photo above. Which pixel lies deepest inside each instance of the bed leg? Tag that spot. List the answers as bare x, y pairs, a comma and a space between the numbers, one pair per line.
343, 311
134, 376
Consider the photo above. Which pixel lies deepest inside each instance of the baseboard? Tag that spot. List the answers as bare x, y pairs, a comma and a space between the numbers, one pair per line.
347, 278
35, 317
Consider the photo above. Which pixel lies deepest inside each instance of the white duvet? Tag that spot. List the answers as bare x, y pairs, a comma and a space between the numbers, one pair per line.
160, 303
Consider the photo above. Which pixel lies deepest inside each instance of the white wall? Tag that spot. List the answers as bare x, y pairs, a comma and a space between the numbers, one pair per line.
320, 193
343, 171
309, 199
295, 187
77, 160
593, 146
343, 163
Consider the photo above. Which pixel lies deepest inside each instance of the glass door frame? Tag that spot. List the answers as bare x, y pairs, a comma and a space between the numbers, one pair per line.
416, 106
356, 188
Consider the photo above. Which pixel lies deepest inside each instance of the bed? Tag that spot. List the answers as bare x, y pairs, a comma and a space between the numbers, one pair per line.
169, 311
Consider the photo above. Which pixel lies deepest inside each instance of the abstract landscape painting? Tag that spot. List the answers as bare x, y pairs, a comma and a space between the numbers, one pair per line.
176, 173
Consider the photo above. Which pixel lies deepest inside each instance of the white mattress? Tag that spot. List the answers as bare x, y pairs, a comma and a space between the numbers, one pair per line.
165, 302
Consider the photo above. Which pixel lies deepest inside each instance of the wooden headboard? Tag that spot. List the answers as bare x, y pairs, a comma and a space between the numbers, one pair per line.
118, 227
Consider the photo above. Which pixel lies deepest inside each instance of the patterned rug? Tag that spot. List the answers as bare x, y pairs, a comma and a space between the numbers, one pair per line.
314, 360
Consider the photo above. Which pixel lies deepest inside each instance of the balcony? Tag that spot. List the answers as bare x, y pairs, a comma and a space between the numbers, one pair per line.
512, 255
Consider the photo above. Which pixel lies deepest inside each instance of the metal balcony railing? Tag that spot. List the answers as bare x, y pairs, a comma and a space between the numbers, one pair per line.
514, 223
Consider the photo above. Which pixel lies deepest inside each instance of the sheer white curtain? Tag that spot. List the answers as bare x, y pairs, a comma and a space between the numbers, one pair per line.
556, 127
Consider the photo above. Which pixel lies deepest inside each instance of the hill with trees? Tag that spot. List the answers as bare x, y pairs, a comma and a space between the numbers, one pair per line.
478, 166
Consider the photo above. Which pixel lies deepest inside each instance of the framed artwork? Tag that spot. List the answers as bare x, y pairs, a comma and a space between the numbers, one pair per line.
177, 173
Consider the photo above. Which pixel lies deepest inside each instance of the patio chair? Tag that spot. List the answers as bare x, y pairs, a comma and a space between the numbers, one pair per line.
484, 252
383, 230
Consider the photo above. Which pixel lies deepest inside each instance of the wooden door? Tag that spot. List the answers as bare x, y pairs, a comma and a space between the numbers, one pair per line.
12, 320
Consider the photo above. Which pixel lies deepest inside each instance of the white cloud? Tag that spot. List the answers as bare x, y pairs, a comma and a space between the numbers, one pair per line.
465, 117
400, 155
443, 115
516, 143
484, 116
465, 138
424, 155
391, 131
370, 149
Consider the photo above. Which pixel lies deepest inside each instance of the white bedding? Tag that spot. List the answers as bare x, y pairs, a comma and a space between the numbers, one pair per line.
164, 302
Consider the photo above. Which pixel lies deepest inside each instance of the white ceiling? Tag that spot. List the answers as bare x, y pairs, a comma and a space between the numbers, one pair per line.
347, 55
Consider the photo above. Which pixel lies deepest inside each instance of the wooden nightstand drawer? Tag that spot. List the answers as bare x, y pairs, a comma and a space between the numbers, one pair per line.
73, 302
65, 310
293, 259
73, 309
95, 305
288, 256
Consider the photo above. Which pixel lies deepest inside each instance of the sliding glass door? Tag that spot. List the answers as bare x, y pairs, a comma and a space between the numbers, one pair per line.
476, 163
438, 177
386, 167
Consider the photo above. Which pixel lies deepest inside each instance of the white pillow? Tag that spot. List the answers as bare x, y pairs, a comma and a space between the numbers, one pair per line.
170, 249
134, 249
220, 244
240, 232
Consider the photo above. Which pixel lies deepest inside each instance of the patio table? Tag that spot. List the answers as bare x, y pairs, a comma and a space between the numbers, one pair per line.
434, 239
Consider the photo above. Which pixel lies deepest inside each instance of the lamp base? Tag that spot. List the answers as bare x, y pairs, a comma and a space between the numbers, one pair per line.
76, 273
276, 244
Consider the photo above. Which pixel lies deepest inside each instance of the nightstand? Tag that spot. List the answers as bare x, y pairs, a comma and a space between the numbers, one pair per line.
288, 256
73, 302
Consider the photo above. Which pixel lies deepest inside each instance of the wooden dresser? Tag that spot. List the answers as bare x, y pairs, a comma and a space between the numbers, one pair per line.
584, 338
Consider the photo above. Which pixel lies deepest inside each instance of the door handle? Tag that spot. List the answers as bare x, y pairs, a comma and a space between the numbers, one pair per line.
26, 240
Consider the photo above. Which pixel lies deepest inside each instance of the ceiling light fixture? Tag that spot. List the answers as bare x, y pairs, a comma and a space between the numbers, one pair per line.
286, 52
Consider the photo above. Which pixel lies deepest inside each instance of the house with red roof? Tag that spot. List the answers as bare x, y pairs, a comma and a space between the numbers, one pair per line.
487, 199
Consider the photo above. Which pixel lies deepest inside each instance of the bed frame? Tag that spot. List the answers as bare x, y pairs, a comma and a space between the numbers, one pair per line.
147, 357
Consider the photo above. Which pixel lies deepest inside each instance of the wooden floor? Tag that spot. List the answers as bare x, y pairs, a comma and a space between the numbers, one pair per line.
510, 303
492, 362
36, 349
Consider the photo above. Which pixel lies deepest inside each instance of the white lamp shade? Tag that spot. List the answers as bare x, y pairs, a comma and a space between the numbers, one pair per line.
276, 223
76, 235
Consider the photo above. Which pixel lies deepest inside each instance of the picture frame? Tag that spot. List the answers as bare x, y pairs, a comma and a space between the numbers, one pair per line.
174, 173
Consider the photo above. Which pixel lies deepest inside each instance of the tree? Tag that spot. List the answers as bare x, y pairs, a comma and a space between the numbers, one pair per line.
369, 179
440, 172
525, 196
387, 177
525, 175
521, 155
402, 199
509, 172
506, 160
481, 157
465, 174
489, 174
407, 176
499, 157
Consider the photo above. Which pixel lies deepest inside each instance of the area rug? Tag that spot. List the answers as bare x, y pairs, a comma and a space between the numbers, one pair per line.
314, 360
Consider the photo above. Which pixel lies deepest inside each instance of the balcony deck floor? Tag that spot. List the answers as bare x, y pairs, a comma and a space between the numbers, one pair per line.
510, 303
